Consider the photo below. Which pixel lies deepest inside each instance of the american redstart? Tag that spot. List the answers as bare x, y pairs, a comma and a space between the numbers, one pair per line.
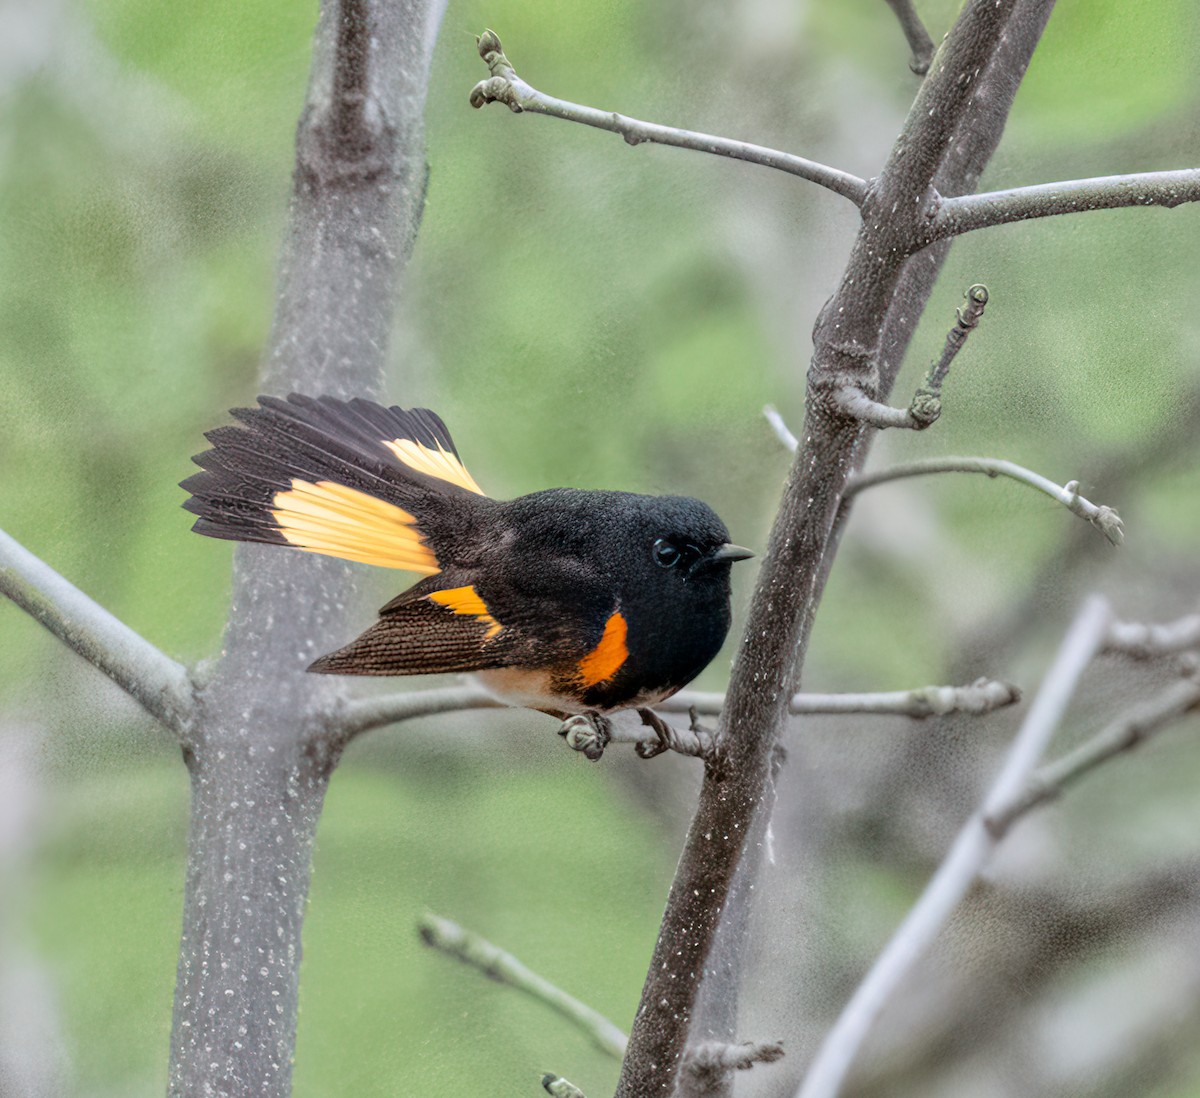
565, 601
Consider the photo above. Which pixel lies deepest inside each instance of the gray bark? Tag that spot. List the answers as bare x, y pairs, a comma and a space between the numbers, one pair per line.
259, 754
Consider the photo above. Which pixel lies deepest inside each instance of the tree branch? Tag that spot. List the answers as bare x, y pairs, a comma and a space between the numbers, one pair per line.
1105, 519
802, 542
981, 696
926, 406
918, 37
476, 951
1142, 641
160, 685
1128, 731
709, 1066
505, 86
363, 714
967, 856
967, 213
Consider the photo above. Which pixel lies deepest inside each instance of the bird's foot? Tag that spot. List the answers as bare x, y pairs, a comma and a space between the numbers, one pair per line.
590, 733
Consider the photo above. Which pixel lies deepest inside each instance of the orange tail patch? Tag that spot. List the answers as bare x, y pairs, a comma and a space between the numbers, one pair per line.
330, 518
440, 463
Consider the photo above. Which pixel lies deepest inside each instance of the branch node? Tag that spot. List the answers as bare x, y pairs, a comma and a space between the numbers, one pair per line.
498, 89
1141, 641
696, 742
711, 1063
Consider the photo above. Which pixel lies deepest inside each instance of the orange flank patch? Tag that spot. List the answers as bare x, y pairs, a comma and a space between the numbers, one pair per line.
466, 600
343, 522
434, 463
605, 660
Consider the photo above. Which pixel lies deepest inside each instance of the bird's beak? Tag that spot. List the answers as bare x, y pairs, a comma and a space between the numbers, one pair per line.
731, 552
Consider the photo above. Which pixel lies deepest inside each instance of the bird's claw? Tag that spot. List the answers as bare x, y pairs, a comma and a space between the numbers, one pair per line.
587, 732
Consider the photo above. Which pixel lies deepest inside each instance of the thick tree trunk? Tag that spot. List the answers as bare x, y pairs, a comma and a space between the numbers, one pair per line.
258, 753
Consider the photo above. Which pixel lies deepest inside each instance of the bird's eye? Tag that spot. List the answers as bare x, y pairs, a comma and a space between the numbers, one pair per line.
665, 553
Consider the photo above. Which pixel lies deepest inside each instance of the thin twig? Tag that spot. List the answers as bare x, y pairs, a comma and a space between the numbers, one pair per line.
780, 427
505, 86
956, 216
926, 405
1105, 519
160, 685
970, 852
918, 37
1128, 731
478, 952
1141, 641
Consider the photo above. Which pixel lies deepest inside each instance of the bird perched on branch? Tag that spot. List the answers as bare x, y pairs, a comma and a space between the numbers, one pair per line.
565, 601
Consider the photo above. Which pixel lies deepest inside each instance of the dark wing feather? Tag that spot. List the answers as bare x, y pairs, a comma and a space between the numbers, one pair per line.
419, 636
346, 478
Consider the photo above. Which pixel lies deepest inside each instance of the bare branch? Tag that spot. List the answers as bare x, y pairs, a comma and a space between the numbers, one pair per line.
363, 714
478, 952
918, 37
956, 216
970, 852
1142, 641
505, 86
1105, 519
950, 133
981, 696
1128, 731
926, 405
709, 1066
160, 685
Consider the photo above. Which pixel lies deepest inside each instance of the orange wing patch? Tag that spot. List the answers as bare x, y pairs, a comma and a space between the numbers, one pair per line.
343, 522
466, 600
440, 463
605, 660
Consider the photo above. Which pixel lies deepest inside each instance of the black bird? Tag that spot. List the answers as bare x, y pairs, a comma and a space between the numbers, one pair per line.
564, 601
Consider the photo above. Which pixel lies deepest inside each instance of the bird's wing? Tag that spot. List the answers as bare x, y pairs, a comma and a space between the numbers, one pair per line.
431, 628
445, 624
349, 479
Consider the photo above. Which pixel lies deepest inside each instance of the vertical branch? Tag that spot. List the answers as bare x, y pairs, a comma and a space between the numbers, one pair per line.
258, 768
848, 339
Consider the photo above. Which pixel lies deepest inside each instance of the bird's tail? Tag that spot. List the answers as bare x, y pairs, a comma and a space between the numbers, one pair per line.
349, 479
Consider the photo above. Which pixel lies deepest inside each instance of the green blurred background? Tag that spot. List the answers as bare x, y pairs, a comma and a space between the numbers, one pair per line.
581, 313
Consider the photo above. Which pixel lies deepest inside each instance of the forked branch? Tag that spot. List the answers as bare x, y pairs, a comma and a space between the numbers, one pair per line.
505, 86
926, 406
968, 855
155, 681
